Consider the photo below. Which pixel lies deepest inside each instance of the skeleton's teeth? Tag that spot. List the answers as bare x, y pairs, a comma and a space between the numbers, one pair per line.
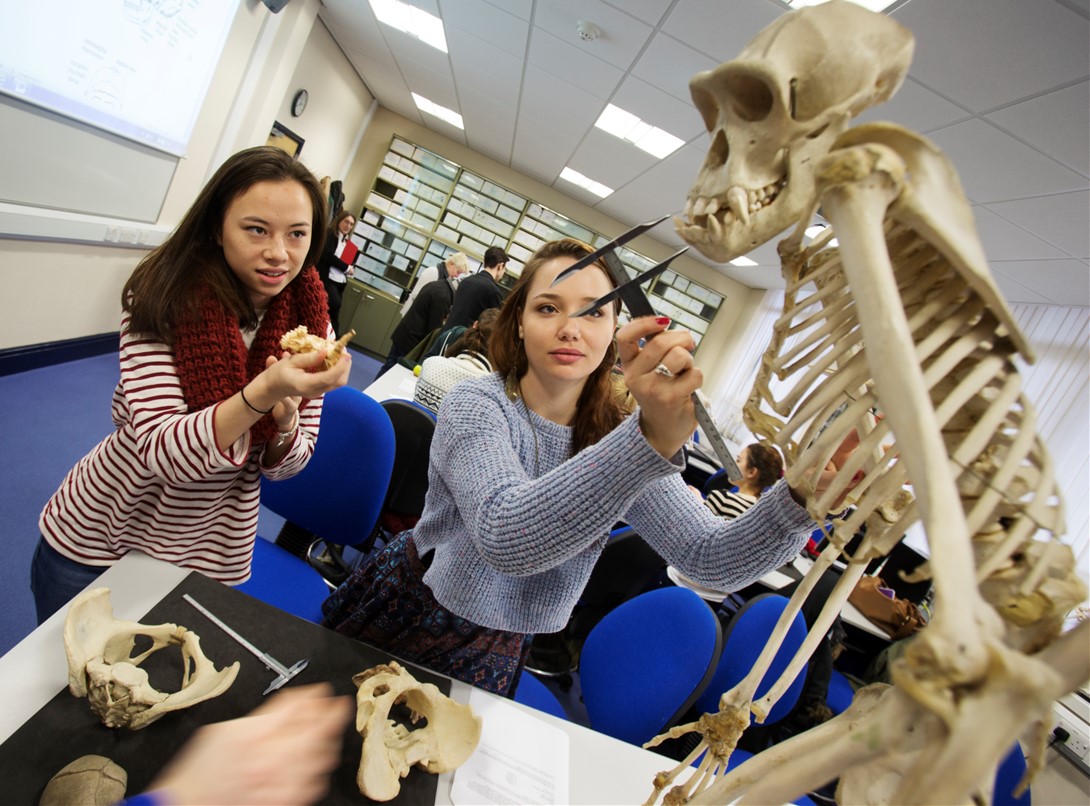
738, 203
715, 229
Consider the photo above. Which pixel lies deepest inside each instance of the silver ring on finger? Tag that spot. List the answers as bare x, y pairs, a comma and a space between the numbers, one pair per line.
664, 370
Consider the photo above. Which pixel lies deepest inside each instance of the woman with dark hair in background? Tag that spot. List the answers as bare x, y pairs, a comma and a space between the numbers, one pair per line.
207, 403
467, 357
761, 467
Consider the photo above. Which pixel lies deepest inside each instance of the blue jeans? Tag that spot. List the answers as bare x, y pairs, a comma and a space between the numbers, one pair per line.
55, 579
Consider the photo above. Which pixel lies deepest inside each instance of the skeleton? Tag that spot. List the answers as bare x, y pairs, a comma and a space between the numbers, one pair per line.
101, 666
390, 749
902, 319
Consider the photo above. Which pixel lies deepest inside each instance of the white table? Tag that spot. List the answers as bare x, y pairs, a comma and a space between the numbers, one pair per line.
777, 580
602, 770
397, 382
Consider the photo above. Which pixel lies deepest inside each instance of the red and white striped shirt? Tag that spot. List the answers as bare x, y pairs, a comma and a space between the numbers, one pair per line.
160, 484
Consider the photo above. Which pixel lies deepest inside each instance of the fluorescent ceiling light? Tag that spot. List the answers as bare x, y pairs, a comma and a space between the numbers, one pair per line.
411, 20
743, 261
576, 178
628, 127
441, 112
873, 5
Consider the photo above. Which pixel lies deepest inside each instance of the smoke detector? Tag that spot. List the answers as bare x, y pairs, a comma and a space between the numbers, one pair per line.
587, 31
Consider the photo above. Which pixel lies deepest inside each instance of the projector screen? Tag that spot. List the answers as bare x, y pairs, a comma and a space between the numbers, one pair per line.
137, 68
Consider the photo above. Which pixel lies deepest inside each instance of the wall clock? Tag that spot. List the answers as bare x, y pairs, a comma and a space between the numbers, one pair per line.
299, 103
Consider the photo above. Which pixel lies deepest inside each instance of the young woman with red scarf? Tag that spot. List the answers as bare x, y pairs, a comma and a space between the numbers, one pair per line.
207, 402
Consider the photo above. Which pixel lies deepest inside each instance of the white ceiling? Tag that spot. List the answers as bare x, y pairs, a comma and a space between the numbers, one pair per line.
1000, 85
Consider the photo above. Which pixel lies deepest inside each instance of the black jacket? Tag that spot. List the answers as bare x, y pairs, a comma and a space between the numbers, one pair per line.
475, 294
426, 314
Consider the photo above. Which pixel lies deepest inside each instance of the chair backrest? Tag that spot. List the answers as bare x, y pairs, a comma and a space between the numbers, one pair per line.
624, 569
534, 693
743, 640
1007, 776
413, 427
646, 662
339, 494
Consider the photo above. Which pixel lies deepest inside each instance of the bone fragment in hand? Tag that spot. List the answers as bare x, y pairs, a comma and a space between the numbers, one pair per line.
299, 341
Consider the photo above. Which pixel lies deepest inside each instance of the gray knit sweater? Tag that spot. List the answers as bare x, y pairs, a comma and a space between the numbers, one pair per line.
517, 526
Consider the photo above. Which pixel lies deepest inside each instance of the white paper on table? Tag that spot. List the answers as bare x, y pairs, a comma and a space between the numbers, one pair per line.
407, 385
520, 759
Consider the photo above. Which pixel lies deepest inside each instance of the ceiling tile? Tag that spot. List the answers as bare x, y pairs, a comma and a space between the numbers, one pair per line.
622, 36
501, 78
719, 30
541, 90
1055, 123
1015, 291
1060, 282
520, 8
986, 53
658, 108
571, 63
650, 11
377, 71
435, 85
1061, 219
490, 30
668, 64
915, 107
996, 167
609, 160
655, 193
1003, 240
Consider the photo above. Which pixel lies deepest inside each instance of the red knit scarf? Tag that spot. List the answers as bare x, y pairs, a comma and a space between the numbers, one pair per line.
211, 357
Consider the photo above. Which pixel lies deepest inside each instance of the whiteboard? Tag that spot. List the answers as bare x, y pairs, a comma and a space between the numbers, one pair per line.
50, 161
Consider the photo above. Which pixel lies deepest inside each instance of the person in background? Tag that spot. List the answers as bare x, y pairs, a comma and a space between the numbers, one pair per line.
532, 465
283, 752
207, 402
450, 269
425, 317
761, 467
479, 291
466, 358
335, 265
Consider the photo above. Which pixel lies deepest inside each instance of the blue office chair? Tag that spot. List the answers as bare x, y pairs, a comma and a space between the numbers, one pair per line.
1007, 776
840, 693
743, 641
413, 427
534, 693
645, 663
337, 496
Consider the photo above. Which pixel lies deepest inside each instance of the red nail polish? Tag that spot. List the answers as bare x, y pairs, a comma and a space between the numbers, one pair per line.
662, 320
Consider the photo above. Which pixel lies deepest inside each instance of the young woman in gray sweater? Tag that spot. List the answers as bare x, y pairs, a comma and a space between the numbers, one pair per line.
530, 469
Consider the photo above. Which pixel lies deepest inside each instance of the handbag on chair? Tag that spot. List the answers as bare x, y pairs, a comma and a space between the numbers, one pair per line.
899, 618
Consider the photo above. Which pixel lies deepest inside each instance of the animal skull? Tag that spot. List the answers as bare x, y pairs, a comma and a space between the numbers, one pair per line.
775, 110
101, 667
390, 749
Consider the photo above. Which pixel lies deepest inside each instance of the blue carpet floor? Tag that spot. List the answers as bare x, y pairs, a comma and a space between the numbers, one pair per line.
51, 417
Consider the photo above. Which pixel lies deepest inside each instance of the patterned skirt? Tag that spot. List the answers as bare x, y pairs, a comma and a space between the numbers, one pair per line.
386, 604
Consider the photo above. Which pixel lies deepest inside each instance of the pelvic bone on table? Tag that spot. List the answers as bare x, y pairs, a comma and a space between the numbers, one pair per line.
901, 318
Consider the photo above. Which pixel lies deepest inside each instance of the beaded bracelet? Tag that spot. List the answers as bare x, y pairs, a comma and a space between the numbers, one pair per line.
283, 436
242, 392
